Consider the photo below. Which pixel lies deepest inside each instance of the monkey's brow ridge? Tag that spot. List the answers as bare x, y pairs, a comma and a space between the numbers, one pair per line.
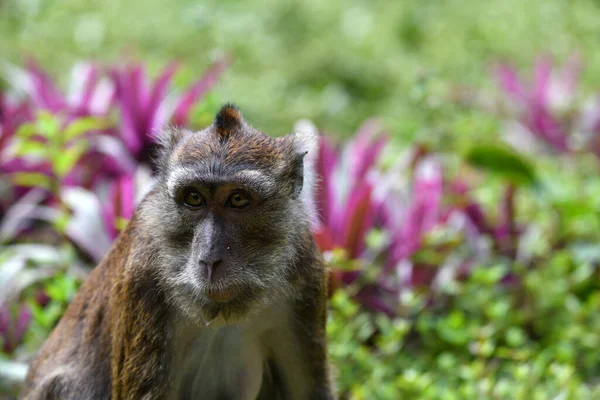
263, 184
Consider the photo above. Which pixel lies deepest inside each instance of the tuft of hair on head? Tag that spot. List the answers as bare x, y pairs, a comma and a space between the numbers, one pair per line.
228, 120
167, 140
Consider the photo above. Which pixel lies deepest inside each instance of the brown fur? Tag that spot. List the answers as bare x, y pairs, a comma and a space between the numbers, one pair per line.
228, 121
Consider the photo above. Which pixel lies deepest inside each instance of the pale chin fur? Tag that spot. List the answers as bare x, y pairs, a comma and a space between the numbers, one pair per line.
188, 294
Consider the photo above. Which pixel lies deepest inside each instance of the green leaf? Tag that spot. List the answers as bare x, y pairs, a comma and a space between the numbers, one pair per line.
36, 311
52, 313
515, 337
66, 161
69, 286
31, 148
62, 288
47, 125
573, 208
61, 223
376, 239
81, 126
502, 161
25, 131
32, 179
121, 223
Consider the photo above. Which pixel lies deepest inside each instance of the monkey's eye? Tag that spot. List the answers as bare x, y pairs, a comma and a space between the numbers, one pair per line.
193, 199
238, 200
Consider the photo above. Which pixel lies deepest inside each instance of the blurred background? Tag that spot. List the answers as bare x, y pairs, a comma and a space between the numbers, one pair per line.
459, 200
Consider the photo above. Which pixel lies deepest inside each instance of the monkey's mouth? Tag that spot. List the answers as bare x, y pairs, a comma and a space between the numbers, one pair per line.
233, 302
221, 295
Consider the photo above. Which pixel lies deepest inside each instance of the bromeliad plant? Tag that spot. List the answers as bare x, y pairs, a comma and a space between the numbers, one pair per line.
388, 231
72, 139
545, 104
146, 106
549, 108
90, 93
49, 150
345, 201
13, 326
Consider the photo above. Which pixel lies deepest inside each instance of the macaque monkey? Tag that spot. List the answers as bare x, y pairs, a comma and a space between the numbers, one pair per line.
215, 290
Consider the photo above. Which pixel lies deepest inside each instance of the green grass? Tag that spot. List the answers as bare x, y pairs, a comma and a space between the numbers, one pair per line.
337, 62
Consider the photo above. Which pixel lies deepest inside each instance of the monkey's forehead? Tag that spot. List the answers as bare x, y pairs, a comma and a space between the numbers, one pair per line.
248, 149
206, 162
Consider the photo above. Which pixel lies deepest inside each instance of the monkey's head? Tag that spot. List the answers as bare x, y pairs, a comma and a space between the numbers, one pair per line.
230, 213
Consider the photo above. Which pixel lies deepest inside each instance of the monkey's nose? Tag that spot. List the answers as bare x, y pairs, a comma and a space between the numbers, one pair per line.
208, 268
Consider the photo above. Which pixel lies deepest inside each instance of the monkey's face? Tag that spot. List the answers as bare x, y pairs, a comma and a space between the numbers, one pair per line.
233, 220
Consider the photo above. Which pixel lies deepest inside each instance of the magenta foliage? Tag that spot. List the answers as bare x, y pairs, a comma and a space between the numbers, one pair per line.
13, 328
139, 102
422, 213
12, 115
120, 204
42, 91
181, 113
14, 322
42, 298
146, 107
345, 198
541, 99
90, 93
345, 202
504, 230
408, 214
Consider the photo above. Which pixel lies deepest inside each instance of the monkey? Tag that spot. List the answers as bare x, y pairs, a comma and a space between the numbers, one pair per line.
214, 290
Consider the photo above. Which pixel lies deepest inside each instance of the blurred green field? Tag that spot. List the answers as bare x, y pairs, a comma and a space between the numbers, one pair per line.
336, 62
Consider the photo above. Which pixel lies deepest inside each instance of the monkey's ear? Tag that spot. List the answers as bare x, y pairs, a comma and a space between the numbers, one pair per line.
167, 140
305, 145
298, 174
228, 120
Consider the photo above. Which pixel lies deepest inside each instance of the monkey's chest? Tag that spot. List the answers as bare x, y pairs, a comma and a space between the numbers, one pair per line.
221, 364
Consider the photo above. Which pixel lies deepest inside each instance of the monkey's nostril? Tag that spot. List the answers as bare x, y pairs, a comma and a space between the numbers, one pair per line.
208, 268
